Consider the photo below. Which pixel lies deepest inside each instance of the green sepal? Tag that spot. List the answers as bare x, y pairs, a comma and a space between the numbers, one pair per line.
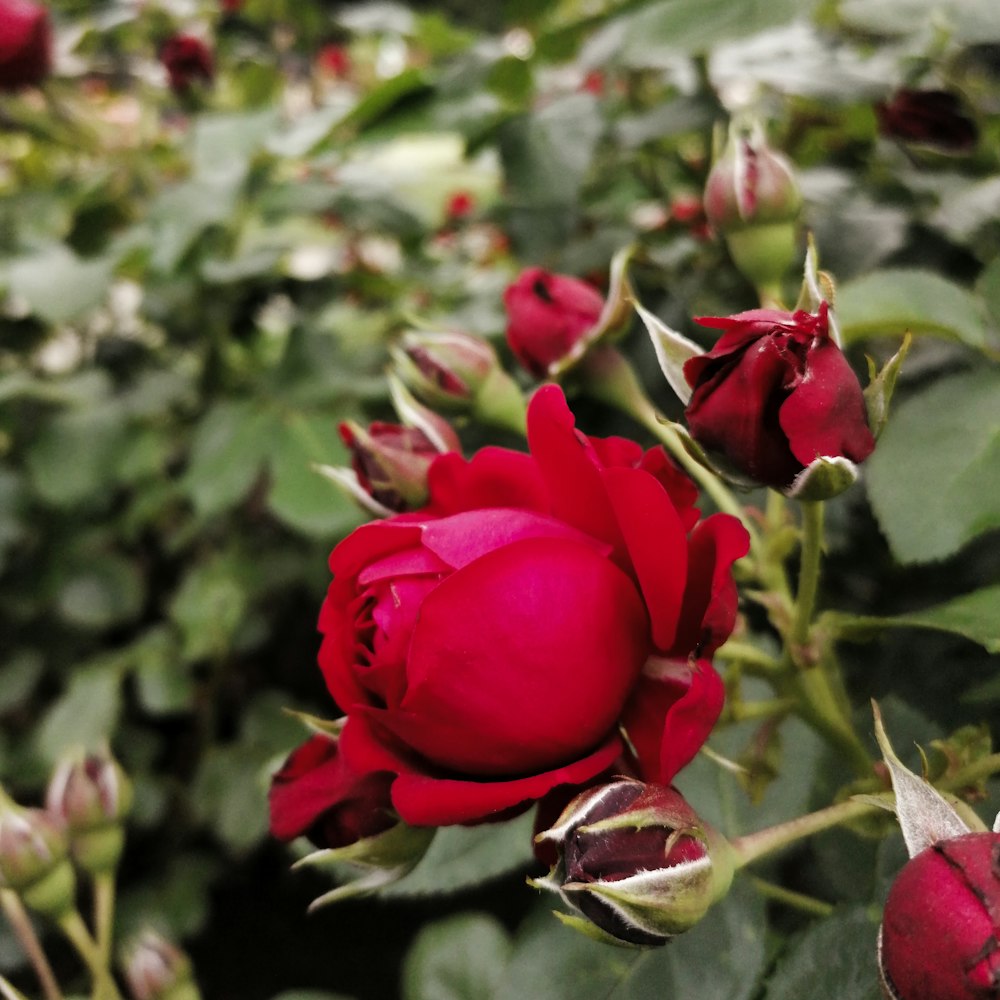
823, 478
672, 349
878, 393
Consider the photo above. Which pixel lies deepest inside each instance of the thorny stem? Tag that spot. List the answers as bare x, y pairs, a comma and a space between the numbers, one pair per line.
21, 924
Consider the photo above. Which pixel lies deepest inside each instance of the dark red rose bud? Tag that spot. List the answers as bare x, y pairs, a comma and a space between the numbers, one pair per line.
188, 60
776, 394
637, 862
25, 44
929, 118
316, 794
940, 937
546, 315
391, 462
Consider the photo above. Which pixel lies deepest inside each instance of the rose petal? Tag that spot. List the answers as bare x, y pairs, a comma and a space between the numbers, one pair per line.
493, 477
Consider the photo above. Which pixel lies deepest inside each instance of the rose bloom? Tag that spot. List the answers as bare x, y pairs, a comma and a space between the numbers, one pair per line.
940, 930
775, 393
928, 117
546, 315
25, 44
187, 59
489, 647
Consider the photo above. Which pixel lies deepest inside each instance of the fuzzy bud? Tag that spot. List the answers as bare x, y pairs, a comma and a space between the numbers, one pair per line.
156, 969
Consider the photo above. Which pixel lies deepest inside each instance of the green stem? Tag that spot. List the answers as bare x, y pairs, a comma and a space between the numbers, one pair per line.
104, 915
796, 900
500, 402
812, 554
769, 709
75, 929
24, 931
755, 660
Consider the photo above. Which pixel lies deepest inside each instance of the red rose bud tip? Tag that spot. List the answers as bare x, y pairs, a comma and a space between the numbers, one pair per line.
25, 44
776, 395
188, 60
941, 926
546, 315
637, 862
933, 118
446, 368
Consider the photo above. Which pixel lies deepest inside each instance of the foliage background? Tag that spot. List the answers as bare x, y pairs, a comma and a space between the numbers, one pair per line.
196, 290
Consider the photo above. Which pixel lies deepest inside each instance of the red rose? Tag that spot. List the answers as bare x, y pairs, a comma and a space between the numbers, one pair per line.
942, 922
187, 60
546, 315
487, 648
930, 117
25, 44
315, 794
775, 393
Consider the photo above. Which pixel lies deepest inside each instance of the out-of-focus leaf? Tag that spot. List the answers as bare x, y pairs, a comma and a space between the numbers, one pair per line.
974, 616
461, 857
176, 898
967, 21
21, 671
891, 302
834, 958
81, 283
380, 101
84, 715
461, 958
722, 956
209, 607
230, 796
947, 435
163, 684
105, 590
223, 144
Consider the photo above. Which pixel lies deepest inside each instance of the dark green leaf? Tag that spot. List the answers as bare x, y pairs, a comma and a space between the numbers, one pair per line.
462, 958
947, 435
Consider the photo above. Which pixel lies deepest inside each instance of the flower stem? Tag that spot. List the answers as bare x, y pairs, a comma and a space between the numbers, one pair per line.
812, 553
796, 900
104, 915
75, 929
24, 931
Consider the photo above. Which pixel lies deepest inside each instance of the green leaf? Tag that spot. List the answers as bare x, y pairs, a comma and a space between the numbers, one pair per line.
965, 21
106, 590
461, 857
661, 30
81, 284
723, 956
461, 958
947, 435
85, 714
973, 616
834, 958
209, 607
892, 302
230, 795
377, 103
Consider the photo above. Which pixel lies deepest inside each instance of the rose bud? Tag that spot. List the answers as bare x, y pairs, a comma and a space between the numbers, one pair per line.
187, 60
459, 206
346, 813
91, 795
34, 859
546, 315
637, 862
752, 199
25, 44
452, 634
459, 372
333, 60
156, 969
941, 925
391, 461
775, 395
928, 118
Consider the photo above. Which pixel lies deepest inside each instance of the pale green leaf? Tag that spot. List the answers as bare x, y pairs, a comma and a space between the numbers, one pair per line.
81, 283
84, 715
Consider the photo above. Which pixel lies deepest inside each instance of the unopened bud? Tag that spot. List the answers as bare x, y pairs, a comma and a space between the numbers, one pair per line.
445, 369
34, 860
91, 795
753, 200
637, 862
156, 969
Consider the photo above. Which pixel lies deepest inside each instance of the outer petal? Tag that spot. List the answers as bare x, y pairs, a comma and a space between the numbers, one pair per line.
671, 713
493, 477
522, 660
425, 796
571, 469
825, 413
656, 543
710, 597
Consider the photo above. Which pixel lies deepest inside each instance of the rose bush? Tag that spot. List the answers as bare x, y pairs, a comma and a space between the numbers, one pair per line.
775, 393
25, 44
487, 648
546, 315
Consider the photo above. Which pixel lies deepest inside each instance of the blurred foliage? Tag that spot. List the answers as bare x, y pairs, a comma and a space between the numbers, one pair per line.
196, 289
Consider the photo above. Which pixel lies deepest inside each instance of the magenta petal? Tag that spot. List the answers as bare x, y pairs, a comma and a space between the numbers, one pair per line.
571, 469
825, 413
522, 660
656, 545
671, 713
462, 538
